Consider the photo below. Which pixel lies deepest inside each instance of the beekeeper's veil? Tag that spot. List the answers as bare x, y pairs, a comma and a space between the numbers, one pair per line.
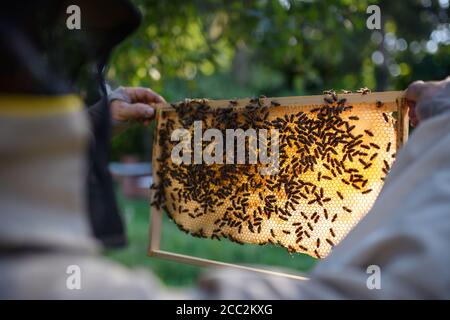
45, 66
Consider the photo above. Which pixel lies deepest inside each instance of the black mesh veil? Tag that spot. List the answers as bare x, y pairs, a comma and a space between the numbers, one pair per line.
42, 56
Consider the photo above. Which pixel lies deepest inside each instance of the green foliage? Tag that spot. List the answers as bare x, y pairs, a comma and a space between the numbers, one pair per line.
231, 48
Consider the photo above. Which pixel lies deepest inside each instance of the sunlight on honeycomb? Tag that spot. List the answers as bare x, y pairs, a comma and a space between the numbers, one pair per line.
317, 196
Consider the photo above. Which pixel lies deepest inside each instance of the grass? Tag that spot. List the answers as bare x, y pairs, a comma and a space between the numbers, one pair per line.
136, 214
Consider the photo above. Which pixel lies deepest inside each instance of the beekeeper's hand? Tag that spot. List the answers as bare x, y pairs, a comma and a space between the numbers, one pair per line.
426, 99
133, 104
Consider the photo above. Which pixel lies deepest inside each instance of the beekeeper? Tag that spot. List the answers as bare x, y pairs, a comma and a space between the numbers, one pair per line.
399, 250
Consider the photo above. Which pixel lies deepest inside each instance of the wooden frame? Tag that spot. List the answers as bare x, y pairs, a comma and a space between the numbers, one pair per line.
155, 228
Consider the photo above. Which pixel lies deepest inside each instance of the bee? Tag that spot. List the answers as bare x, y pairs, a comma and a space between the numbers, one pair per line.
388, 147
318, 243
364, 90
317, 254
369, 132
356, 186
334, 218
386, 119
374, 145
373, 156
272, 233
366, 191
275, 104
328, 100
330, 242
332, 233
367, 166
347, 209
303, 248
362, 162
286, 232
362, 153
342, 101
353, 118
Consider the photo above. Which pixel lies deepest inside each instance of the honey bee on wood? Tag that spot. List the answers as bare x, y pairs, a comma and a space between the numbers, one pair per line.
328, 100
275, 104
364, 90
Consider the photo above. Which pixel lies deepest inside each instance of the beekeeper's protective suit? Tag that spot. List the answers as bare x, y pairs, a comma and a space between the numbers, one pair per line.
405, 236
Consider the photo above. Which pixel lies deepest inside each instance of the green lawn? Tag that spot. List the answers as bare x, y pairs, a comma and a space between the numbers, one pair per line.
175, 274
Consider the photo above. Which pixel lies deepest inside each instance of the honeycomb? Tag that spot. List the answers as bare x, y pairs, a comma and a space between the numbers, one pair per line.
333, 158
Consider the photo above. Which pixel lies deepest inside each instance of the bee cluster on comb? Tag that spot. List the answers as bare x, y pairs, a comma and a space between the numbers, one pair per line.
333, 157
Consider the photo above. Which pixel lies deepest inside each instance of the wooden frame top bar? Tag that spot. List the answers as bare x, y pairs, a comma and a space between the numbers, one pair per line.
352, 98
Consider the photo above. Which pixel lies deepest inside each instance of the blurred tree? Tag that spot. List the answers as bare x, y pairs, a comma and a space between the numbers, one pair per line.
232, 48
